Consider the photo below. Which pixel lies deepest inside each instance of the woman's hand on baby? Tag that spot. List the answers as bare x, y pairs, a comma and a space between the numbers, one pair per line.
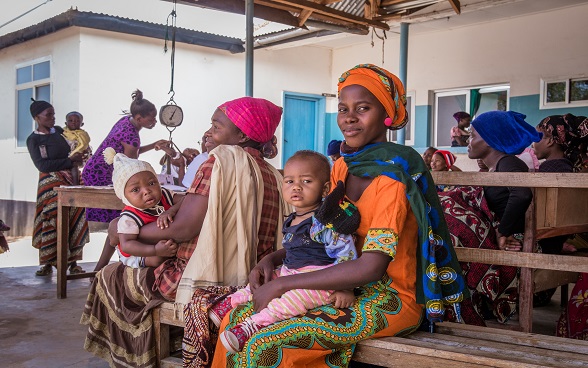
342, 298
261, 274
265, 293
166, 248
166, 218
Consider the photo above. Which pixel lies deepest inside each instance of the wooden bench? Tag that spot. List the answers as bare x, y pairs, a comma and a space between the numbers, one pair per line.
560, 207
457, 345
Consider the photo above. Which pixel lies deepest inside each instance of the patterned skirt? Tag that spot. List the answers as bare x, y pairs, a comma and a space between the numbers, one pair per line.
118, 313
325, 336
494, 288
45, 224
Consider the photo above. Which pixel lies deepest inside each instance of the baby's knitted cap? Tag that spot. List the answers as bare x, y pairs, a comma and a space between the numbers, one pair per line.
337, 213
124, 168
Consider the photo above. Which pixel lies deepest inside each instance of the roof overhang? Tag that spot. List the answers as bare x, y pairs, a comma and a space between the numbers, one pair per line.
75, 18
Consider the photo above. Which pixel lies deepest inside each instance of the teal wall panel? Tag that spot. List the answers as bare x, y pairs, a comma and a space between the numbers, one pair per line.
331, 129
529, 105
422, 128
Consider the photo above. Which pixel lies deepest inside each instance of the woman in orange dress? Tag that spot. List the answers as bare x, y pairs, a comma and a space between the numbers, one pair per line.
407, 268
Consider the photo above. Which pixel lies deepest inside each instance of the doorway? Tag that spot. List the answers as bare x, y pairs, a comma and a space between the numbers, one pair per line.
304, 124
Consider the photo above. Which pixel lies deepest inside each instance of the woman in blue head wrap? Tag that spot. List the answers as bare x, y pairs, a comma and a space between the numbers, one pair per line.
496, 138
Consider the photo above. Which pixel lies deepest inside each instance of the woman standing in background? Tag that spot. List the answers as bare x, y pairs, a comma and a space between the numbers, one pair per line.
50, 154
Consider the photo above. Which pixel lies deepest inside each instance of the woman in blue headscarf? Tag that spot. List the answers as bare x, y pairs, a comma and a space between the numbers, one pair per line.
495, 215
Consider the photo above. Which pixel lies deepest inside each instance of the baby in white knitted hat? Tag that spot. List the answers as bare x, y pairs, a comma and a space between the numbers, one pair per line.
136, 184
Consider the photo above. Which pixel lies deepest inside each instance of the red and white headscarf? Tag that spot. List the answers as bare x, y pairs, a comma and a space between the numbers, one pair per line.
447, 156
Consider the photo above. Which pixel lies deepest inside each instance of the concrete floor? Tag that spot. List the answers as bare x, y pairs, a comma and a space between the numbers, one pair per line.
36, 328
39, 330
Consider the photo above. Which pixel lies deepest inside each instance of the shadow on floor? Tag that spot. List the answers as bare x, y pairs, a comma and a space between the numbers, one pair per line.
36, 328
39, 330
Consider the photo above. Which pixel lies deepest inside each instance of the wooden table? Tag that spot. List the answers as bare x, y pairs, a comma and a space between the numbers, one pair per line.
78, 196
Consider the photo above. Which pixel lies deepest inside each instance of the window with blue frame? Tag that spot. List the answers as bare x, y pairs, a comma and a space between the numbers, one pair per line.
33, 80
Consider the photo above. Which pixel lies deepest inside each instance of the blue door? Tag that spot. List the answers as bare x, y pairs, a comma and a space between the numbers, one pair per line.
303, 124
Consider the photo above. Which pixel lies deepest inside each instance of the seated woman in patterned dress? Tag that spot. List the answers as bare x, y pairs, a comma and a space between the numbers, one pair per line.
393, 191
230, 218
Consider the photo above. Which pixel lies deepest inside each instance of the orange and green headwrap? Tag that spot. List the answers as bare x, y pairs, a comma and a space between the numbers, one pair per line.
385, 86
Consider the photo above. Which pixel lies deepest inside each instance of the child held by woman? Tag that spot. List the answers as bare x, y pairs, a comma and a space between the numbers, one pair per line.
318, 234
136, 184
78, 139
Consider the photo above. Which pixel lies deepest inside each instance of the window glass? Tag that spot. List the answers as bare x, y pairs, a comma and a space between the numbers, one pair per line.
32, 81
41, 70
556, 92
23, 75
579, 90
25, 124
492, 101
43, 93
446, 107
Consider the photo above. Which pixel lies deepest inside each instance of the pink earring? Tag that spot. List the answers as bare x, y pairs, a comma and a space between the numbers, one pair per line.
388, 121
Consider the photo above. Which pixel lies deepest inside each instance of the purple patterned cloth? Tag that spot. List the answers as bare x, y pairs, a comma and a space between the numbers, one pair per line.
98, 173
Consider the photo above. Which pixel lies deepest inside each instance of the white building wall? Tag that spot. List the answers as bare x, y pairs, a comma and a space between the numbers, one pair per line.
19, 176
518, 51
95, 72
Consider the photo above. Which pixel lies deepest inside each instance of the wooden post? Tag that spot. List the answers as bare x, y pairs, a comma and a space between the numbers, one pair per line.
62, 247
526, 274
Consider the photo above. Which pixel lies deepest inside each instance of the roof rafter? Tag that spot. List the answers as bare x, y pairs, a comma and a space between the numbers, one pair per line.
455, 5
238, 7
323, 10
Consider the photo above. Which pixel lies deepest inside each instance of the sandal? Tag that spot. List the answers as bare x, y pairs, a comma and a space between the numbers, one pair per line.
74, 269
45, 270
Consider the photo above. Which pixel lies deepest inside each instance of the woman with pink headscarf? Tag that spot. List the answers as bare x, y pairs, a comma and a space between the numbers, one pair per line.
230, 218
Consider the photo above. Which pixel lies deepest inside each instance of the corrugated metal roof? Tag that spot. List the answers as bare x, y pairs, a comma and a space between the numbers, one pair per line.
352, 7
112, 23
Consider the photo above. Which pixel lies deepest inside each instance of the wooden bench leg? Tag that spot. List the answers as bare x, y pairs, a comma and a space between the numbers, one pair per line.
161, 332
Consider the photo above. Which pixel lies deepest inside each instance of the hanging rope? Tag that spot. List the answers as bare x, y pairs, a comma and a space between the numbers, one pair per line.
383, 38
171, 22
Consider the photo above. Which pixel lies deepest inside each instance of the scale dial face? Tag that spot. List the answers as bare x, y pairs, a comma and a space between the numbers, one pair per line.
171, 115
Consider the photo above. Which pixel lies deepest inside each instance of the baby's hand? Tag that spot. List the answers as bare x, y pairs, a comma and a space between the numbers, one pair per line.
166, 218
166, 248
342, 298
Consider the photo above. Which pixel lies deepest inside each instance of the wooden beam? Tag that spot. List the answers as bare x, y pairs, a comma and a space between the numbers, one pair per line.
332, 13
304, 14
455, 5
389, 17
514, 179
520, 259
342, 26
238, 7
391, 2
371, 8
